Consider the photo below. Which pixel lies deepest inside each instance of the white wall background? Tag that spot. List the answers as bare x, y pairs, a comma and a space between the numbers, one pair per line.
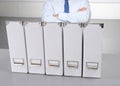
89, 0
101, 9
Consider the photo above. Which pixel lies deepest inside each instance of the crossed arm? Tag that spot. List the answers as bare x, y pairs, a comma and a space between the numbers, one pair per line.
79, 10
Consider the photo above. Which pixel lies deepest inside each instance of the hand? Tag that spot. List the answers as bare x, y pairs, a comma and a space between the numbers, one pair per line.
82, 9
56, 15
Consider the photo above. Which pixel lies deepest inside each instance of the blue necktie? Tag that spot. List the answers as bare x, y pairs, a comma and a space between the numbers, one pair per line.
66, 6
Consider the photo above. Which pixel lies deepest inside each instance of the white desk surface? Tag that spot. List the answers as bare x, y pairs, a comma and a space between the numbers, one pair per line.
110, 75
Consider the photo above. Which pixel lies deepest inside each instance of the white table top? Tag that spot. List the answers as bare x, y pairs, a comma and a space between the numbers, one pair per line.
110, 75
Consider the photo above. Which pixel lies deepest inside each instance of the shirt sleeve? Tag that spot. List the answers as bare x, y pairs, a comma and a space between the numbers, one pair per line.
77, 17
47, 13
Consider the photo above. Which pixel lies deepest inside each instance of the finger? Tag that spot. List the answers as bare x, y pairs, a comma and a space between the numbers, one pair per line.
83, 9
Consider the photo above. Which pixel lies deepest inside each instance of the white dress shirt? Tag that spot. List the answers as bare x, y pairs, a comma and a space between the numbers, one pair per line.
57, 7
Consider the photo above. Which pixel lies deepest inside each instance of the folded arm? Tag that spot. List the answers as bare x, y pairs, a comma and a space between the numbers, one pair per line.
82, 15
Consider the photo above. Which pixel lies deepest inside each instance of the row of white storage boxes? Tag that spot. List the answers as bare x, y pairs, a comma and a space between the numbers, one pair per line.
55, 48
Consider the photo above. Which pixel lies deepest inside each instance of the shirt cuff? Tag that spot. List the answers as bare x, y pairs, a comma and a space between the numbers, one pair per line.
63, 16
